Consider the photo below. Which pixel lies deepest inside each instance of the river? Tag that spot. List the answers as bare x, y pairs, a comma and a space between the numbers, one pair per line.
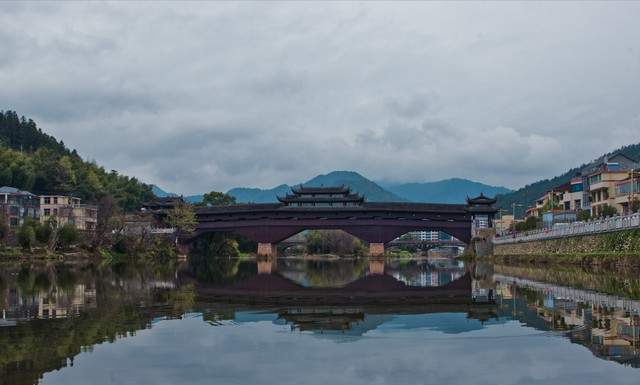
167, 323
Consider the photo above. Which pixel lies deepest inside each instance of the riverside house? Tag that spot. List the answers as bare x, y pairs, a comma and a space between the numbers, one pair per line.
67, 209
18, 205
602, 187
613, 181
626, 191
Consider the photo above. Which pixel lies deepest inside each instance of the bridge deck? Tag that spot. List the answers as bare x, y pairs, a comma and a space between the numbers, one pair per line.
375, 222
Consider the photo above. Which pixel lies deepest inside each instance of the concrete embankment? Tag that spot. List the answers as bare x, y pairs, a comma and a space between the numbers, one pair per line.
614, 248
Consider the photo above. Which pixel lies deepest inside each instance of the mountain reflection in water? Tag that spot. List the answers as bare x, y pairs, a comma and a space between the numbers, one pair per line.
56, 319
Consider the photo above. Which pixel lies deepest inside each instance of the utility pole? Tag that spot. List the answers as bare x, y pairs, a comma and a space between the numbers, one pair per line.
500, 211
513, 208
633, 171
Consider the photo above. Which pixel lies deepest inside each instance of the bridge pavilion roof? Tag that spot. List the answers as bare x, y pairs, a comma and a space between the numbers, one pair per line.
304, 190
321, 196
350, 198
481, 200
481, 205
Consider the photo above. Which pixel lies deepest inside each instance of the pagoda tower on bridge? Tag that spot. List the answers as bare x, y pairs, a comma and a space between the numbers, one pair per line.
334, 197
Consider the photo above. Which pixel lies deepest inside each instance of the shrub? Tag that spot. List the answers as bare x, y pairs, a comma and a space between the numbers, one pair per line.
4, 228
67, 235
43, 233
607, 211
26, 236
531, 223
583, 215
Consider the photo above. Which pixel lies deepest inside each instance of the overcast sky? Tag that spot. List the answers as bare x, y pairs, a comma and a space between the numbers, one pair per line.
207, 96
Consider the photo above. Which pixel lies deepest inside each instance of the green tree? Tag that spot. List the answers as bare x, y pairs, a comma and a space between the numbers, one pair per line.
34, 161
109, 219
635, 205
333, 241
550, 205
44, 231
26, 236
583, 215
607, 211
4, 228
67, 236
215, 198
182, 218
531, 223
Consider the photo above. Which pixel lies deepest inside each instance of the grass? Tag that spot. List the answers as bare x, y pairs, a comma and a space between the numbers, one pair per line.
584, 259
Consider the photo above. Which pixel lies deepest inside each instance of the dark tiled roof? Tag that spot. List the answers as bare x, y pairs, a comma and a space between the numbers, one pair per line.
378, 206
481, 200
321, 198
320, 190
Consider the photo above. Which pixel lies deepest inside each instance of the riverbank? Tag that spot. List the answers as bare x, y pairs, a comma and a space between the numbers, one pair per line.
618, 248
8, 254
609, 260
619, 281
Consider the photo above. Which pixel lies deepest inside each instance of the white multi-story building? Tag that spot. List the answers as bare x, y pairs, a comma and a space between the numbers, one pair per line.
66, 209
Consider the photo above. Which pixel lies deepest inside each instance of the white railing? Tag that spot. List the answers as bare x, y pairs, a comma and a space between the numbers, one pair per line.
572, 229
578, 295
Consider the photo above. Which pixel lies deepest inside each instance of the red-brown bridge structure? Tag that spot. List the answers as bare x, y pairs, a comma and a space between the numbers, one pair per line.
307, 208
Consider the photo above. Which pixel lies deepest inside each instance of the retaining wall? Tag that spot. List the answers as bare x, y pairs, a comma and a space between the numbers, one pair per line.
622, 242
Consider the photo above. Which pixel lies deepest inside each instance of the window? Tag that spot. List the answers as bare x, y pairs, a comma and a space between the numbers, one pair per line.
47, 200
13, 222
47, 212
55, 212
55, 200
576, 187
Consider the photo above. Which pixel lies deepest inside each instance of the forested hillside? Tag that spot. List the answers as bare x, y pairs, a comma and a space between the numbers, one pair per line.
527, 195
34, 161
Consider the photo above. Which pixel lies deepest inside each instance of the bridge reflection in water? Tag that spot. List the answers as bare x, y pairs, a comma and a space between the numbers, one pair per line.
368, 282
49, 309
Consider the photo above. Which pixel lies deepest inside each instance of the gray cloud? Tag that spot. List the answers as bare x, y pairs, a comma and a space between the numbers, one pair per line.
195, 96
193, 352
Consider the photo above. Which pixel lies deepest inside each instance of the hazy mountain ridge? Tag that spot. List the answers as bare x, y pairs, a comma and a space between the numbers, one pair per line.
453, 190
372, 191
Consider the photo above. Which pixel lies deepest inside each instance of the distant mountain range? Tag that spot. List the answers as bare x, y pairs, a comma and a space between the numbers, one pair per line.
445, 191
454, 190
371, 190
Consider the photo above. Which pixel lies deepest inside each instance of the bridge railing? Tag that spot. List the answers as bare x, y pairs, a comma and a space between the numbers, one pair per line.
572, 229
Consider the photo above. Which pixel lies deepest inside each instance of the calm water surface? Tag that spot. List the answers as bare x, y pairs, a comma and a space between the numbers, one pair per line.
128, 324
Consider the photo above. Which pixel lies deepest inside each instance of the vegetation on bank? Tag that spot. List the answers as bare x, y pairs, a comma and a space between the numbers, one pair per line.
570, 259
334, 242
620, 281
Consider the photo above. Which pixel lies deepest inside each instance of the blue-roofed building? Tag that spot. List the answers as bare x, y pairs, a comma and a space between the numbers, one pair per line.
18, 205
